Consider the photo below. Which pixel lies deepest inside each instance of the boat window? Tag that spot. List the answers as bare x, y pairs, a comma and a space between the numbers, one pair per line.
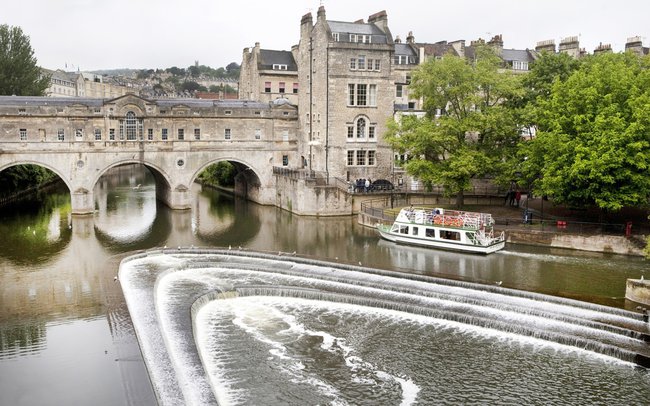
403, 229
450, 235
431, 232
415, 231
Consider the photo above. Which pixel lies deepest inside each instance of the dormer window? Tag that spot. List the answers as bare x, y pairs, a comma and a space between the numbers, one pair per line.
335, 36
277, 66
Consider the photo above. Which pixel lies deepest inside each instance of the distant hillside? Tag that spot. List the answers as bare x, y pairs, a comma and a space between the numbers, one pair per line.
117, 72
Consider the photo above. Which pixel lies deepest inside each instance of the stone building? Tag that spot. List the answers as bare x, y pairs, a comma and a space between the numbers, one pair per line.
351, 78
346, 71
635, 44
82, 84
267, 75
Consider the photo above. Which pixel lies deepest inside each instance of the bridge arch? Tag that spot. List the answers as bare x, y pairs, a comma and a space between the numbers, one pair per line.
57, 171
248, 180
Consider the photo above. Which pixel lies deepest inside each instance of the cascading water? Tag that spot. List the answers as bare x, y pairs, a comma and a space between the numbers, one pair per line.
232, 327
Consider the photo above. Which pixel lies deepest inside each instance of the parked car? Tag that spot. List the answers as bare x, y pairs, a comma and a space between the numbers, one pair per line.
381, 185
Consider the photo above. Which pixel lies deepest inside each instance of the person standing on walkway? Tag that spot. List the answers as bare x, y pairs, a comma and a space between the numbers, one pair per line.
517, 197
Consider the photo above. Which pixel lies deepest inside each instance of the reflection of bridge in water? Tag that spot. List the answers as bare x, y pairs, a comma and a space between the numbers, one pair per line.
235, 287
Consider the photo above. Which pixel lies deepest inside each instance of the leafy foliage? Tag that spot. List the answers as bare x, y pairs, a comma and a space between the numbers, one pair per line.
19, 72
467, 131
593, 146
20, 177
219, 174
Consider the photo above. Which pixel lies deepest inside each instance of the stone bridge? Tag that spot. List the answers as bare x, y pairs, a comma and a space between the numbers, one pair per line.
80, 139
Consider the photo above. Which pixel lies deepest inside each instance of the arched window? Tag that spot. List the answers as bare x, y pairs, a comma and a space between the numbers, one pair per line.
131, 126
361, 128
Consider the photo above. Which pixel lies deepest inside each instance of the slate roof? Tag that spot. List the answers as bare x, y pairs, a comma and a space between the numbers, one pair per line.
378, 36
48, 101
517, 55
269, 57
405, 49
438, 49
94, 102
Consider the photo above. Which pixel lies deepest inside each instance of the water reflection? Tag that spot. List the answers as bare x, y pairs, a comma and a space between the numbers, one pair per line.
56, 268
40, 227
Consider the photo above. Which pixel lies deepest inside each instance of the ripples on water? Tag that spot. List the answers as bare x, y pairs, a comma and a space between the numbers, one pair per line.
287, 350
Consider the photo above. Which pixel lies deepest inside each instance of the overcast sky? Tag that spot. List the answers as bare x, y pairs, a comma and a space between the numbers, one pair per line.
106, 34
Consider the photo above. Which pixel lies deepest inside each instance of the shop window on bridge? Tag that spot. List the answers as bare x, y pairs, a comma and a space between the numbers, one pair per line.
111, 134
60, 134
227, 133
98, 134
149, 134
165, 134
23, 134
197, 134
285, 160
181, 134
79, 134
258, 134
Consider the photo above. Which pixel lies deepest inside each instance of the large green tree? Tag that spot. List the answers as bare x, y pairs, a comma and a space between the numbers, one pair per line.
467, 131
19, 72
593, 142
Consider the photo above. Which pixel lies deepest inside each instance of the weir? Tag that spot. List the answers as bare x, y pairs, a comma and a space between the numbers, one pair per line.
182, 282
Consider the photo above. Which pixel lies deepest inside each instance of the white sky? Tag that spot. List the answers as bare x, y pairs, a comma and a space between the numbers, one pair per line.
106, 34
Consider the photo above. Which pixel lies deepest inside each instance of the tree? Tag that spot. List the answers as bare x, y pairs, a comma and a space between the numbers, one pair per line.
191, 86
19, 72
220, 174
467, 131
592, 147
546, 70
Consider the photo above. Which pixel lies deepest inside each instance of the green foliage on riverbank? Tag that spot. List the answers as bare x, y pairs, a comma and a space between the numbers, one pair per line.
23, 177
219, 174
592, 146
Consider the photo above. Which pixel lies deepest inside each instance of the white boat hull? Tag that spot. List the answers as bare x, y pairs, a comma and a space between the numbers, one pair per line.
441, 244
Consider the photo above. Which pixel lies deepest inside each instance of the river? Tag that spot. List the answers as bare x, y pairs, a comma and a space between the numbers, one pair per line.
66, 336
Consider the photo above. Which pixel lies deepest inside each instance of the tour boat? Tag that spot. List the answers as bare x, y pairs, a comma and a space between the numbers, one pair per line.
445, 229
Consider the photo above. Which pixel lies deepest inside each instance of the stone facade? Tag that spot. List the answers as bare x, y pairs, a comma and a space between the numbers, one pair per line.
79, 139
65, 84
349, 89
267, 75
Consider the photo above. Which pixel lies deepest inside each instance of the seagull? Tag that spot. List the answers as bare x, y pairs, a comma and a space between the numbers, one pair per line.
280, 253
136, 187
115, 278
240, 247
359, 263
336, 258
294, 253
641, 277
498, 283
